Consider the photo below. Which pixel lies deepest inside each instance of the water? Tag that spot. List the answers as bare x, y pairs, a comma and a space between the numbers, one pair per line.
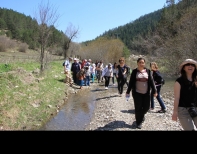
75, 114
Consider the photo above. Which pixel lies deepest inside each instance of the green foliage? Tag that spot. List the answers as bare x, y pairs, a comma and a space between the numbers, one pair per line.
5, 68
126, 52
26, 29
141, 26
24, 101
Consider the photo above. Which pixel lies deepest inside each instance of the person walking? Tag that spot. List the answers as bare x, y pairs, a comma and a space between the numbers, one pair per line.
107, 74
92, 70
141, 82
158, 83
185, 95
99, 70
87, 75
67, 71
121, 75
75, 68
114, 68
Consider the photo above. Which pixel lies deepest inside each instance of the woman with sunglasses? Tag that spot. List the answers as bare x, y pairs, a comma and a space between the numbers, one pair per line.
141, 83
185, 95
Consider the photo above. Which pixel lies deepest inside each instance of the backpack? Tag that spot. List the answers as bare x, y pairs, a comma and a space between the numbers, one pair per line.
79, 74
159, 78
63, 64
162, 81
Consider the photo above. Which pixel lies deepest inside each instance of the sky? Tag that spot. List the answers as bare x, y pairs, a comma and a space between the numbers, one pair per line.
91, 17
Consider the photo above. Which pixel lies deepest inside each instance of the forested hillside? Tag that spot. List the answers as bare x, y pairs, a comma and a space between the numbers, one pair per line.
24, 28
140, 27
168, 35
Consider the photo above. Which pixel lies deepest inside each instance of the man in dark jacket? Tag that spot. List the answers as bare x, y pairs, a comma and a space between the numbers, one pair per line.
75, 68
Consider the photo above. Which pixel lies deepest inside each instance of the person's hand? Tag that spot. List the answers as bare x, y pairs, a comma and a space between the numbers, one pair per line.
127, 95
195, 82
174, 116
155, 94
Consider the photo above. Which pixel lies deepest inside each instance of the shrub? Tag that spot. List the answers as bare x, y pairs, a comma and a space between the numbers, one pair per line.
23, 47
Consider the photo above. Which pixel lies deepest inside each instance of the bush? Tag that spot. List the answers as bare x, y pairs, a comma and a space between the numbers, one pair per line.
23, 47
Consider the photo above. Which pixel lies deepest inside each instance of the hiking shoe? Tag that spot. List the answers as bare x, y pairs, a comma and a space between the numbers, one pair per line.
143, 119
106, 87
161, 111
139, 126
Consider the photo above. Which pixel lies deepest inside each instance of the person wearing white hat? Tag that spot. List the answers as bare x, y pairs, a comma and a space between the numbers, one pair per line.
185, 95
75, 68
107, 73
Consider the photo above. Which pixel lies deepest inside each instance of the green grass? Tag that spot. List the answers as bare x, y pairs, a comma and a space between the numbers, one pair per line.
26, 103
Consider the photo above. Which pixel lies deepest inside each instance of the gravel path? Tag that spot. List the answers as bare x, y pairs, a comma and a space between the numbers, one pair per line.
114, 113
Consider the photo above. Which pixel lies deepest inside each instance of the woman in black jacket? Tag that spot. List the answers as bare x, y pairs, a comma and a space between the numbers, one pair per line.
141, 83
158, 83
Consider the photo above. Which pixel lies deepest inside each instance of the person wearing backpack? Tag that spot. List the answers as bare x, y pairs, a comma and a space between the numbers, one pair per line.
67, 71
157, 77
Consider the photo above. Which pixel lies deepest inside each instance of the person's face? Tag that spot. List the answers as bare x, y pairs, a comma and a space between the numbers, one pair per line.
152, 67
141, 63
121, 61
189, 68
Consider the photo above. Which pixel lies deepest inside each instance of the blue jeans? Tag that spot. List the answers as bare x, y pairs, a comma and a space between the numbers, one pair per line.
93, 76
161, 103
87, 81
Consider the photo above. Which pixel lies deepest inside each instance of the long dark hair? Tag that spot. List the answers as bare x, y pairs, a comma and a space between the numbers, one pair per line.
183, 74
141, 58
114, 64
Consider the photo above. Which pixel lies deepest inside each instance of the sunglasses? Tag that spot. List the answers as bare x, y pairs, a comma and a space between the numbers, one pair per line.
188, 64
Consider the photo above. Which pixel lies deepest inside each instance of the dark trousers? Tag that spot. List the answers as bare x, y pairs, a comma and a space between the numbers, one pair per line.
107, 80
141, 104
75, 80
121, 82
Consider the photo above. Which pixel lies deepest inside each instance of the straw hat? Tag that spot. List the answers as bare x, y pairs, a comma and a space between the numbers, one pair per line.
191, 61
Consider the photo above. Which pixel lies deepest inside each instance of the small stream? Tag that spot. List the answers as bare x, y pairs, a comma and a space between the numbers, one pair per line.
75, 114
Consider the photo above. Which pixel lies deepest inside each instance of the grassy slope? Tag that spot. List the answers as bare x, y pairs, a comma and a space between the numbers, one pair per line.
28, 100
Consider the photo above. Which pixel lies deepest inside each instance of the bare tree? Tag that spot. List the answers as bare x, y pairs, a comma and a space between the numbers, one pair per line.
71, 33
46, 16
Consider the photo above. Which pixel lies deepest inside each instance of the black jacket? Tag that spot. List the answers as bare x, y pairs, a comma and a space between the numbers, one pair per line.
132, 82
75, 67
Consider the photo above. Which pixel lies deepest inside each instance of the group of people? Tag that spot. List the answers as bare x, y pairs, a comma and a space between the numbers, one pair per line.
83, 72
144, 85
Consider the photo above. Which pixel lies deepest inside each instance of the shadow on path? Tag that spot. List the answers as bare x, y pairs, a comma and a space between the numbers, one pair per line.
114, 125
128, 111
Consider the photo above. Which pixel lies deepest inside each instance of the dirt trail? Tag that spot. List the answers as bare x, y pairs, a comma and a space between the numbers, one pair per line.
113, 112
